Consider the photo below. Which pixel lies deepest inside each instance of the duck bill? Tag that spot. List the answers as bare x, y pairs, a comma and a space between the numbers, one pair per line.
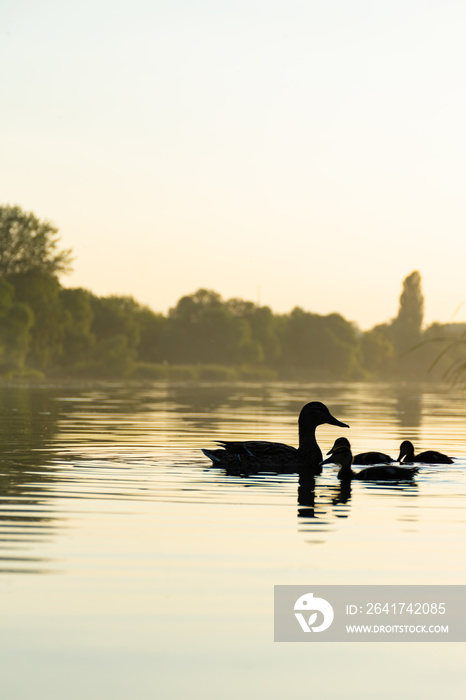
333, 421
329, 460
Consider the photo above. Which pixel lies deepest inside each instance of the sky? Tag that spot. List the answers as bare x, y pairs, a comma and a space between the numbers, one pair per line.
290, 152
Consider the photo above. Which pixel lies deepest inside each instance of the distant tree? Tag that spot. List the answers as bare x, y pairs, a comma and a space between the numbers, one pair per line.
41, 292
408, 323
441, 354
115, 315
406, 328
264, 329
327, 346
377, 351
26, 244
152, 330
15, 322
78, 339
113, 357
203, 329
115, 325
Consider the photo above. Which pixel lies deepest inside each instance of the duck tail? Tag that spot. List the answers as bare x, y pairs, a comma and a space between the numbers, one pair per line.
211, 455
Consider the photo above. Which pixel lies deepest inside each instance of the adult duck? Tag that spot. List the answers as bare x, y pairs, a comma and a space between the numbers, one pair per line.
252, 456
386, 472
363, 457
428, 457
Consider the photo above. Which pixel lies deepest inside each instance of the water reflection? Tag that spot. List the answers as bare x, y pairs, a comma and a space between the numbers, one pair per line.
409, 407
306, 490
92, 450
28, 426
342, 496
322, 503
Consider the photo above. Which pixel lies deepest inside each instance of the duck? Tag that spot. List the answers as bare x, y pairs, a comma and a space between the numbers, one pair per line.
428, 457
386, 472
363, 457
253, 456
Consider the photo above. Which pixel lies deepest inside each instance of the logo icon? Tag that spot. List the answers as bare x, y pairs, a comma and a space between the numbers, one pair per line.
307, 603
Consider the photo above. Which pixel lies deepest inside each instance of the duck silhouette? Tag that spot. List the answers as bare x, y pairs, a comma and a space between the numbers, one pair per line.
386, 472
428, 457
363, 457
253, 456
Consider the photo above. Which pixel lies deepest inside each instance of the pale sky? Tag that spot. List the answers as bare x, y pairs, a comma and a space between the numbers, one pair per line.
292, 152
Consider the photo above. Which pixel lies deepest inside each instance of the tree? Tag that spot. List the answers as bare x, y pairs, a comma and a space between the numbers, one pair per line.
406, 328
41, 292
152, 328
411, 309
203, 329
325, 346
78, 340
15, 322
377, 351
442, 351
116, 328
116, 315
29, 244
263, 327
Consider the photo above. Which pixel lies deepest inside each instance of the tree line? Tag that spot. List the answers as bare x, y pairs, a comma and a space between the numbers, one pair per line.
49, 330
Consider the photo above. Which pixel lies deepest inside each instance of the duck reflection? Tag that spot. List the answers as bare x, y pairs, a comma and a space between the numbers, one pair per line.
306, 491
342, 496
319, 505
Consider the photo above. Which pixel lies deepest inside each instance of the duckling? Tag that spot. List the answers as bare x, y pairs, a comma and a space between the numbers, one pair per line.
363, 457
387, 472
407, 455
253, 456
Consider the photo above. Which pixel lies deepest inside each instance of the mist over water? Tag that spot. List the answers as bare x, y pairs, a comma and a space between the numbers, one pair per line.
130, 565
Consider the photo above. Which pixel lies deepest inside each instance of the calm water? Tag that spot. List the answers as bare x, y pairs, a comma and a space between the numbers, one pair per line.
129, 568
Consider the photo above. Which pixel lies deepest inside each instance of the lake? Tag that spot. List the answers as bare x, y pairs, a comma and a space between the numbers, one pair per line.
131, 568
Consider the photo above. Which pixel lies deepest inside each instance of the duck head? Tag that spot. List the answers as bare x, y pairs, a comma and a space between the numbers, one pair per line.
344, 458
406, 451
341, 456
316, 413
313, 414
339, 442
